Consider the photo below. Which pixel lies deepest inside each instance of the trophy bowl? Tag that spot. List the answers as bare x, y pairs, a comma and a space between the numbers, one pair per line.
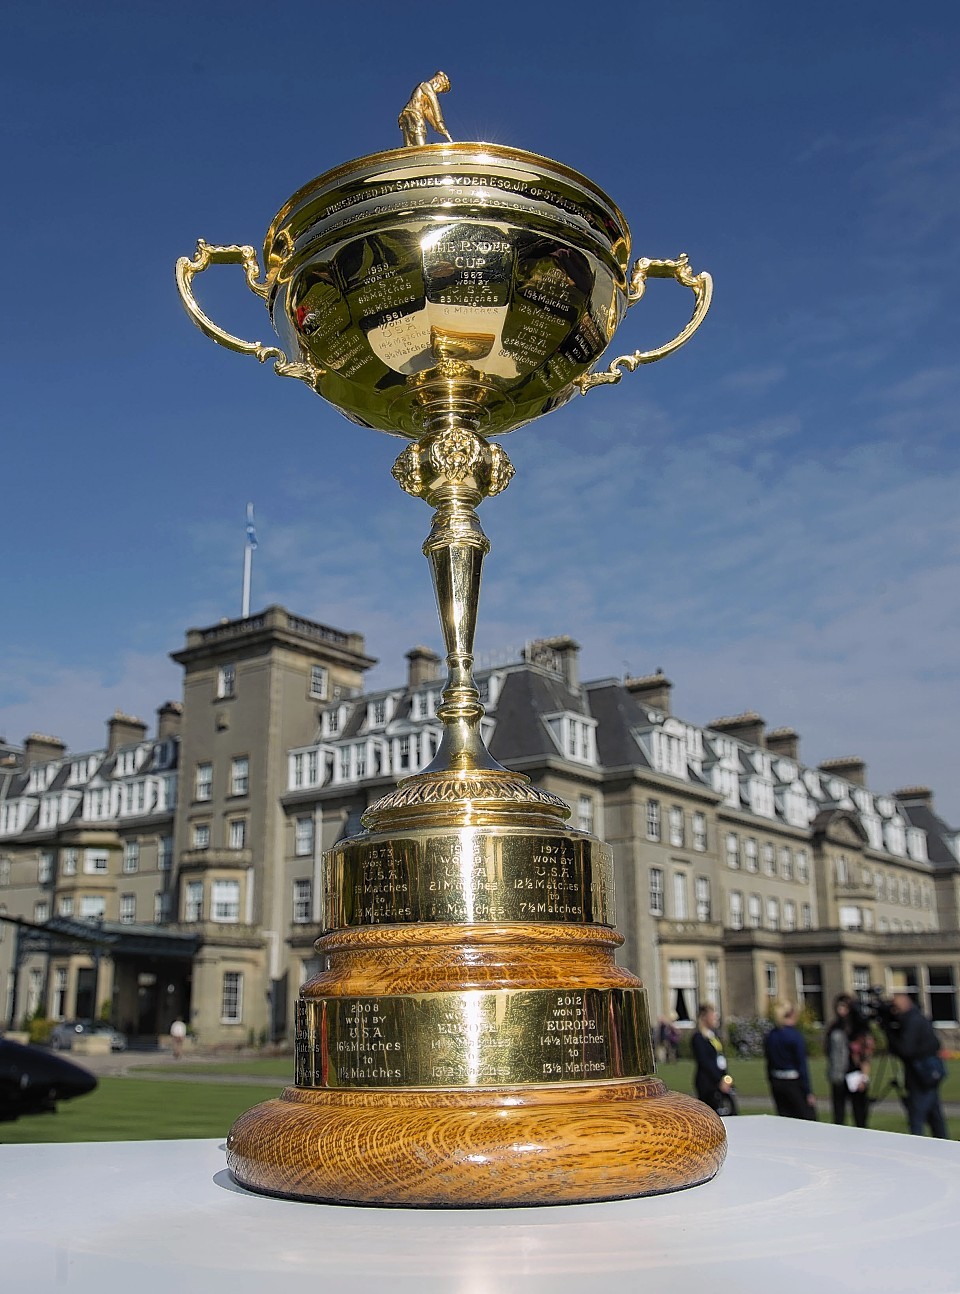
447, 284
470, 1040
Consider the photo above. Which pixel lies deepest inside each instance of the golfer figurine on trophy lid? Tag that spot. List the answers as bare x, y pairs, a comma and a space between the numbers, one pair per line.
470, 1040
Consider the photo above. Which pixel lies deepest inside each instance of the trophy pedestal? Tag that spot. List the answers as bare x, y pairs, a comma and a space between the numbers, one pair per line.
484, 999
558, 1144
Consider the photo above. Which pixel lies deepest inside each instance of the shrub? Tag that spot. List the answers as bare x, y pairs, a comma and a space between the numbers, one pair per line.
39, 1028
746, 1034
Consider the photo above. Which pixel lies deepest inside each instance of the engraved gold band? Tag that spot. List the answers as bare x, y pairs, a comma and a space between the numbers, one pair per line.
469, 876
495, 1038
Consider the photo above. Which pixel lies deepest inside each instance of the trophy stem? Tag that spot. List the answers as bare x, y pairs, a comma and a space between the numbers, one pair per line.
454, 470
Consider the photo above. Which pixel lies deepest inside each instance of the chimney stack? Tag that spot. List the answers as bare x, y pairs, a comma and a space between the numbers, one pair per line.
747, 727
40, 749
784, 742
169, 717
423, 666
850, 767
562, 655
124, 730
652, 690
917, 795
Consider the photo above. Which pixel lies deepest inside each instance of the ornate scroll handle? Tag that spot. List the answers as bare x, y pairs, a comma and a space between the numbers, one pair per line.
700, 284
247, 257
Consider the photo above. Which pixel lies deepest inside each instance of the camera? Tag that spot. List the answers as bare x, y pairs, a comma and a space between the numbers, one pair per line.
875, 1006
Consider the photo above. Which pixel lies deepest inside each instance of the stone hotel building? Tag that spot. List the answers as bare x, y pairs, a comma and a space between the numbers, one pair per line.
180, 873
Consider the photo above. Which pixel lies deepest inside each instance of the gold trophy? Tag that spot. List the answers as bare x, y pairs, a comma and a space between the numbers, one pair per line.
472, 1040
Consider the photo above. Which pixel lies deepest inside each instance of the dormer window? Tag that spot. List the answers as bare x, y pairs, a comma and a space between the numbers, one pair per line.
575, 736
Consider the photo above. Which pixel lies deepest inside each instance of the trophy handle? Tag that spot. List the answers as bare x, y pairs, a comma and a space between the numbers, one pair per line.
206, 255
700, 284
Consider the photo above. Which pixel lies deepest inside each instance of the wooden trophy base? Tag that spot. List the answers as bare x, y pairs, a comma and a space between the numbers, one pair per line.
558, 1144
414, 1141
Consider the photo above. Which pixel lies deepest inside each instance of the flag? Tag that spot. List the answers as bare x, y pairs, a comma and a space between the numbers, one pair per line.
251, 530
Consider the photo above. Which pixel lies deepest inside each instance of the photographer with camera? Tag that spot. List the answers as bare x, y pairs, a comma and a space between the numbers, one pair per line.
912, 1037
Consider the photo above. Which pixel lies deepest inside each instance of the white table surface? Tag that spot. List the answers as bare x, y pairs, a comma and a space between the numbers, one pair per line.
796, 1207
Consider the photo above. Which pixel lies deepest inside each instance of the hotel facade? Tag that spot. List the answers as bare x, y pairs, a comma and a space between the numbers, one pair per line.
181, 873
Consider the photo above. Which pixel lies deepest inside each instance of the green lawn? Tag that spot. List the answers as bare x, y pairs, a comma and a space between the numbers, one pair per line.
751, 1078
141, 1109
267, 1067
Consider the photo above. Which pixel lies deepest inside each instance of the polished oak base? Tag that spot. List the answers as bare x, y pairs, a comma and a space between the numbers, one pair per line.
551, 1144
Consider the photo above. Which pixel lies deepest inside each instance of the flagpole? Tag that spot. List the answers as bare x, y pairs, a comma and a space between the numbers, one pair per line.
249, 546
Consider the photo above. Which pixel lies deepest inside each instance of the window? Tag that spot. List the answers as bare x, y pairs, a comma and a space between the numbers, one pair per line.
165, 853
41, 911
942, 994
861, 986
750, 853
736, 910
70, 859
770, 976
318, 683
786, 863
313, 767
201, 835
128, 908
806, 916
204, 782
700, 831
343, 759
45, 867
656, 891
239, 775
676, 826
680, 896
96, 861
733, 849
360, 757
810, 990
789, 915
773, 914
303, 837
841, 869
65, 906
238, 833
768, 863
379, 716
653, 820
161, 907
231, 1001
302, 901
803, 866
59, 1004
703, 898
131, 855
754, 912
851, 917
227, 681
225, 901
93, 907
193, 903
682, 980
712, 982
585, 813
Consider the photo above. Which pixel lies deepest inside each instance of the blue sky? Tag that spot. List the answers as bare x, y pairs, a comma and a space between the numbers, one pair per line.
770, 515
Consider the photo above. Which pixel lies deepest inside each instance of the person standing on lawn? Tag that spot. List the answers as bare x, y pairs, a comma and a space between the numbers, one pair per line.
787, 1070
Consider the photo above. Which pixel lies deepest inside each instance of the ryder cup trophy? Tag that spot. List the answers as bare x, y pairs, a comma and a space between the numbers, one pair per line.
471, 1040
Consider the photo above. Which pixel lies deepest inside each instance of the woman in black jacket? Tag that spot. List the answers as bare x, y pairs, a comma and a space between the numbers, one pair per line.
710, 1079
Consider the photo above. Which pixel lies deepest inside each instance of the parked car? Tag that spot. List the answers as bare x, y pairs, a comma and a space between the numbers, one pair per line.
64, 1033
32, 1081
